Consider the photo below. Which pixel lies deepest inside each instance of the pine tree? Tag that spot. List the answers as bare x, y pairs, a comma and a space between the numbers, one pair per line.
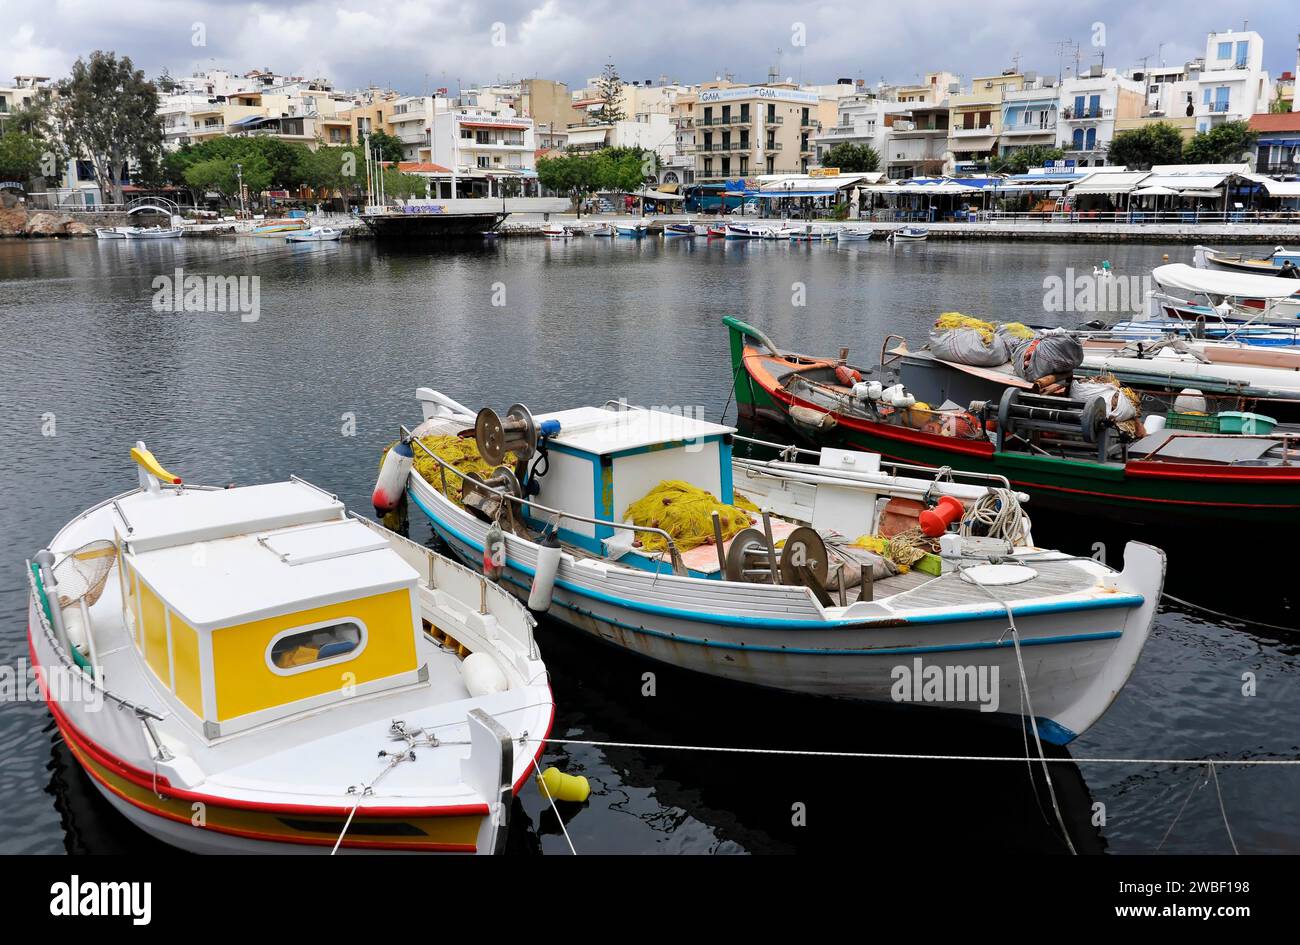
609, 87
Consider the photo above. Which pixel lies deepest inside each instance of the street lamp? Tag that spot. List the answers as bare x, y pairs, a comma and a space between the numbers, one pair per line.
239, 173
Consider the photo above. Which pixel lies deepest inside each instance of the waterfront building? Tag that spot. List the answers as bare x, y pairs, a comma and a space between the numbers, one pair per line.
1089, 106
1029, 115
494, 150
1232, 84
861, 119
975, 120
1277, 152
747, 130
917, 143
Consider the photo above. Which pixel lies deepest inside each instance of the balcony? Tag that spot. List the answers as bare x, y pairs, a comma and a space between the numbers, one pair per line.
1088, 114
774, 119
1214, 108
1279, 168
1025, 130
977, 131
719, 121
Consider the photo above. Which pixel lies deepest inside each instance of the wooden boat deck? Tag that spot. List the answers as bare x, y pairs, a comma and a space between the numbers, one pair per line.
1054, 578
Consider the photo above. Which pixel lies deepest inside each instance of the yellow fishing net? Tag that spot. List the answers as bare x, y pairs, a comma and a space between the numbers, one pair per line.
950, 320
904, 549
461, 453
1018, 330
685, 512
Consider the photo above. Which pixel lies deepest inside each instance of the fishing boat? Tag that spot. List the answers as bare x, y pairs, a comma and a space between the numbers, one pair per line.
909, 234
850, 234
716, 231
604, 229
316, 234
557, 231
746, 231
634, 230
808, 233
823, 615
679, 229
1177, 468
275, 227
254, 669
1270, 265
153, 232
111, 232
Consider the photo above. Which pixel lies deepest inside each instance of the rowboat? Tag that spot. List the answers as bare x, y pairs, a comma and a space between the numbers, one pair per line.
111, 232
909, 234
557, 231
716, 231
809, 233
604, 229
1270, 265
850, 234
1068, 452
746, 231
254, 669
679, 229
820, 617
153, 232
634, 230
316, 234
273, 227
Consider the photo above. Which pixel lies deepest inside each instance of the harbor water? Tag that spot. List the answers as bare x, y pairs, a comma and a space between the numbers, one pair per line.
316, 380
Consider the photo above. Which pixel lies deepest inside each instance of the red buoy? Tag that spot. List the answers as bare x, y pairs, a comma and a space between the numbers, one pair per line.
935, 521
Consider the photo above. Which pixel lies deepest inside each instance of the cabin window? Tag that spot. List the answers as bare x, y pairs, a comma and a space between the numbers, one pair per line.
302, 648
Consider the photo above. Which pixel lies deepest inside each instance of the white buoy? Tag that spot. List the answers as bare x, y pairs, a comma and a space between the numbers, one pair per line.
392, 477
1190, 400
548, 563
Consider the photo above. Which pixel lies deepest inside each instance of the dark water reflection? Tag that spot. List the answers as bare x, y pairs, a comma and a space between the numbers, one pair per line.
317, 385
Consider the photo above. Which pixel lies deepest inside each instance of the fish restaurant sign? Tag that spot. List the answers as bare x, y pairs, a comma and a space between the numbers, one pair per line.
757, 91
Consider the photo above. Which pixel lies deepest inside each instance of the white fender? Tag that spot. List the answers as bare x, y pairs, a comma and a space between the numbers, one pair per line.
482, 676
548, 563
392, 477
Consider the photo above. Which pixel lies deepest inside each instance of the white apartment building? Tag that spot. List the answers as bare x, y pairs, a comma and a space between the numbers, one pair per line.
1232, 84
1088, 106
477, 141
861, 120
1029, 115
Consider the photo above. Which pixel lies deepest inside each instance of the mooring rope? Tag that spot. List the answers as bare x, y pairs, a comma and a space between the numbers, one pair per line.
563, 829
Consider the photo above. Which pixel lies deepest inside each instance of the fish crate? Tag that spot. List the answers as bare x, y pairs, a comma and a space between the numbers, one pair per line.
1193, 422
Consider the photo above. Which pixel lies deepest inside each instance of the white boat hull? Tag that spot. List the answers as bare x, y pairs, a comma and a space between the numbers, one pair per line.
1076, 657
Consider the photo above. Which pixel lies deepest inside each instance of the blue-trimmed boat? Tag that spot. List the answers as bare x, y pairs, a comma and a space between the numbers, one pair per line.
809, 598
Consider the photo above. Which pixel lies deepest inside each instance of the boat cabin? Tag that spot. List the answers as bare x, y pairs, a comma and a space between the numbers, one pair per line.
250, 604
603, 460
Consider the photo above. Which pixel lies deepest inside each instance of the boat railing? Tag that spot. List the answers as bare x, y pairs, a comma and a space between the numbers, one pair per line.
65, 658
938, 474
679, 567
432, 561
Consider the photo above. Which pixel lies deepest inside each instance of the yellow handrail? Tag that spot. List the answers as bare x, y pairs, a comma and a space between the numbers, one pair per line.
151, 465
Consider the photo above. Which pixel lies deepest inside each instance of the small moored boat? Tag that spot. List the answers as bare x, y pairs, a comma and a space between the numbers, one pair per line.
634, 230
909, 234
679, 229
111, 232
557, 231
304, 677
850, 234
316, 234
153, 232
1274, 264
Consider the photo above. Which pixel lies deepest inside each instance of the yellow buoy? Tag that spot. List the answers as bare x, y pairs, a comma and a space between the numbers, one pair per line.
563, 787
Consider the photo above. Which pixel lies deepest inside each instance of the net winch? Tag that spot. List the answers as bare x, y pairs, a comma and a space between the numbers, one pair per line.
1075, 422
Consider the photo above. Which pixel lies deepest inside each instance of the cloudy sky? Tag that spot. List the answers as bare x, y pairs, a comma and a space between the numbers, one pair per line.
414, 45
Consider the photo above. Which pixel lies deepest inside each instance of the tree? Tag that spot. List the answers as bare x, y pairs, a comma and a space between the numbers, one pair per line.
20, 156
1140, 149
609, 89
852, 158
399, 185
390, 147
1021, 160
107, 112
1228, 143
224, 176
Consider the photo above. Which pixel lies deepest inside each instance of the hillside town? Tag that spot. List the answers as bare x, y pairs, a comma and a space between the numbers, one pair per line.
1014, 141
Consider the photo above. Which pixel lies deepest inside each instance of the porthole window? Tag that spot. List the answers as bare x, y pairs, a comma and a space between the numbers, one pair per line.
305, 648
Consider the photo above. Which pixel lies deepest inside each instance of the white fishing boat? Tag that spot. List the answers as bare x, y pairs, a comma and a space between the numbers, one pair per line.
557, 231
604, 229
316, 234
153, 232
1194, 293
254, 669
822, 615
111, 232
634, 230
809, 233
851, 234
746, 231
909, 234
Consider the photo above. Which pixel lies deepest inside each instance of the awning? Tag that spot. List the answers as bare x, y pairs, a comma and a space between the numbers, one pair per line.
1155, 192
795, 194
1215, 192
587, 136
1111, 183
658, 195
1185, 182
1276, 188
492, 124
